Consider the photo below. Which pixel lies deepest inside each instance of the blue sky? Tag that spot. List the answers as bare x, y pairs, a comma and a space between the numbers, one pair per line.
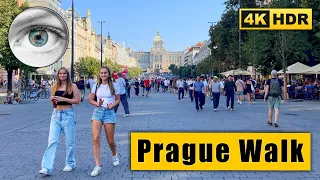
181, 22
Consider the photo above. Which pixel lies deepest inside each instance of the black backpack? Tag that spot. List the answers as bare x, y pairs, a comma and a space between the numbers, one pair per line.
275, 88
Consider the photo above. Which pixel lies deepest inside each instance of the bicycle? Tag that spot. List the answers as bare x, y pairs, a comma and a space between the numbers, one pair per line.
44, 93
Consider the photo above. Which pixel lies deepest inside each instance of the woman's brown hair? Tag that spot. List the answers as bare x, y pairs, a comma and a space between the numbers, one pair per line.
57, 85
110, 81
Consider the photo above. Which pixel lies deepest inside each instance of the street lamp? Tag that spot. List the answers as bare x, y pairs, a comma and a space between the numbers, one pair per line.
101, 41
212, 26
72, 44
239, 38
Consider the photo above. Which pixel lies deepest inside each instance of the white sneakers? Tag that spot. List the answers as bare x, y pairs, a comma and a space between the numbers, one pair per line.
97, 169
116, 161
44, 171
215, 110
229, 108
126, 115
67, 168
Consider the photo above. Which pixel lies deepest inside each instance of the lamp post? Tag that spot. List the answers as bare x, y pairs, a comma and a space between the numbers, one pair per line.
212, 27
82, 63
72, 44
239, 39
101, 42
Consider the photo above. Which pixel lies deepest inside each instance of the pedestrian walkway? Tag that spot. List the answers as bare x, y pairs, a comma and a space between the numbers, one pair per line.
24, 133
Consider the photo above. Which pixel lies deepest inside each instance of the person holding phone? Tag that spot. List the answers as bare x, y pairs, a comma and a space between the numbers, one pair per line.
64, 94
105, 95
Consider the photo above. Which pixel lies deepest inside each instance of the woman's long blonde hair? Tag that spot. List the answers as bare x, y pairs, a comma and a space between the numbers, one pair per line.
57, 85
110, 81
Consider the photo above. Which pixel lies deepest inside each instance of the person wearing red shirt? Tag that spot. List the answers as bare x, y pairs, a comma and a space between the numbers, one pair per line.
147, 85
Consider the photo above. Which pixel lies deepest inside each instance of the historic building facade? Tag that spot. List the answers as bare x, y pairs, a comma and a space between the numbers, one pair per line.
118, 53
158, 59
203, 53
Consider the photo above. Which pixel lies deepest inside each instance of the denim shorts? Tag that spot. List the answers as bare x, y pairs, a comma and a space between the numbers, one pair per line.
274, 102
240, 93
104, 115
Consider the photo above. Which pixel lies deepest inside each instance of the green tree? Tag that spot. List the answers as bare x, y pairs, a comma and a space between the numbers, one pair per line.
8, 11
205, 66
224, 41
115, 67
173, 68
258, 50
289, 45
314, 35
87, 66
187, 71
134, 71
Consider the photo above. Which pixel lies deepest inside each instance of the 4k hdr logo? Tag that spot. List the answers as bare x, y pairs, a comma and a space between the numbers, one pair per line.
275, 19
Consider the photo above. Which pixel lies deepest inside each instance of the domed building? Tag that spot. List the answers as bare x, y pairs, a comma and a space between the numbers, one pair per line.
157, 41
158, 59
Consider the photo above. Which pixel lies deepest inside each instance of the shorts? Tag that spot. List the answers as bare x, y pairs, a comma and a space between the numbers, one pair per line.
148, 88
274, 102
240, 93
104, 115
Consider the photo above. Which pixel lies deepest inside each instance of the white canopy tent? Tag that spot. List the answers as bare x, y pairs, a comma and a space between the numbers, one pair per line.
296, 68
237, 72
313, 70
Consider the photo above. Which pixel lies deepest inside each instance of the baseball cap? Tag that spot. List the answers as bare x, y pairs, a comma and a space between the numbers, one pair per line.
215, 77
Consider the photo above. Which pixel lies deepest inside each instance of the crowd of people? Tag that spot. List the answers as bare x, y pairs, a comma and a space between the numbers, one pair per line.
201, 87
108, 92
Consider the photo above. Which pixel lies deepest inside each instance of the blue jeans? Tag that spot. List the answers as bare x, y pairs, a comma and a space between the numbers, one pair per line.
197, 98
216, 99
61, 121
190, 94
125, 104
181, 91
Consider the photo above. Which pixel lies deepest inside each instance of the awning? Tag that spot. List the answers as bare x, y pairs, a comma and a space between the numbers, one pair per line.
313, 70
296, 68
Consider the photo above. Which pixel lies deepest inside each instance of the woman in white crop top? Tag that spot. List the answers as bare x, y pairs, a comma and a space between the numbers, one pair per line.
107, 95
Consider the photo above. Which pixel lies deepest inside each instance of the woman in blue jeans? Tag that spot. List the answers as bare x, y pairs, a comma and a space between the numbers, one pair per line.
64, 94
105, 96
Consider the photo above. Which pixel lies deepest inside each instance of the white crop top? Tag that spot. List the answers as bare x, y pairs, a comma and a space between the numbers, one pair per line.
104, 93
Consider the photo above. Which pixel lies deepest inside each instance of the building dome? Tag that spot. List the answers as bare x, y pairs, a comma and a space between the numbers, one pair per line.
157, 39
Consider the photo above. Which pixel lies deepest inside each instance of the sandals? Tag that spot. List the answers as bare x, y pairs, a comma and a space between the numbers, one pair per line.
275, 124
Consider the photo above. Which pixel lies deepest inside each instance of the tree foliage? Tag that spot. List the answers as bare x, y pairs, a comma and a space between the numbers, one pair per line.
261, 49
87, 66
115, 67
173, 68
8, 11
187, 71
90, 66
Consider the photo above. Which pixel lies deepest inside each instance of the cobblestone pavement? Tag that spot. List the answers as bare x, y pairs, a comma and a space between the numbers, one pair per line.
24, 132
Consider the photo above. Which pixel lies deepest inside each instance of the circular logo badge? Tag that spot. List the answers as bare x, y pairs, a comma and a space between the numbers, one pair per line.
38, 37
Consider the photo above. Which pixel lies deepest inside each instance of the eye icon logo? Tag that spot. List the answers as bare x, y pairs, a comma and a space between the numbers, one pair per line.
38, 37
